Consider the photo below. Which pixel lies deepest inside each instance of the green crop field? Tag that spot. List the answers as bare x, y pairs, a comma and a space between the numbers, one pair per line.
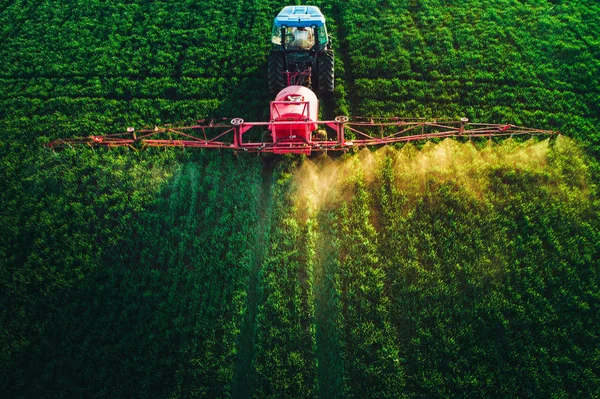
430, 270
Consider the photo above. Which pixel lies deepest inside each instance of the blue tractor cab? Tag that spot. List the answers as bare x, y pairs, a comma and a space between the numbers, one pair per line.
293, 17
300, 16
301, 52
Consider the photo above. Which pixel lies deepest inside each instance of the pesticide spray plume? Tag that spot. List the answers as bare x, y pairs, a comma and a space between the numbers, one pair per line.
325, 180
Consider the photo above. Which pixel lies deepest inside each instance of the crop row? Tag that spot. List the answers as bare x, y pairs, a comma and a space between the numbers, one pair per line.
453, 270
449, 280
157, 294
498, 51
138, 38
285, 359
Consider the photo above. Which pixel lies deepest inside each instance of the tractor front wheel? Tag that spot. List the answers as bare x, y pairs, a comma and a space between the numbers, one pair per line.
275, 72
325, 62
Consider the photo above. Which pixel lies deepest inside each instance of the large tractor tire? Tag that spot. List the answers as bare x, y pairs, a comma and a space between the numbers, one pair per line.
325, 61
275, 72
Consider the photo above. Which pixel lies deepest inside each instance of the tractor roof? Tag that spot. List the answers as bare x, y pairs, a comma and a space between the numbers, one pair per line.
300, 16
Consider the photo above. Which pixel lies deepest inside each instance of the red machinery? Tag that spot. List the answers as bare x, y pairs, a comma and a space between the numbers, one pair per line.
294, 128
292, 105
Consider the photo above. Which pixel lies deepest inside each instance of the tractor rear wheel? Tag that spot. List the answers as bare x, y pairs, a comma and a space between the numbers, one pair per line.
275, 72
325, 62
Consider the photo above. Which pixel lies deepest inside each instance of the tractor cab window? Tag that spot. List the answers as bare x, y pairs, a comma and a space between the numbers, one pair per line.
276, 38
295, 38
302, 38
323, 39
276, 35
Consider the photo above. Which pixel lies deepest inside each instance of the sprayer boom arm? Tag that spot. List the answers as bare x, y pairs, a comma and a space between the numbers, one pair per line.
340, 134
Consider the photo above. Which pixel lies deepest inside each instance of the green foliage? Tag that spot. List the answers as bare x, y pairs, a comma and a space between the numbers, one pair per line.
285, 362
372, 356
443, 270
530, 63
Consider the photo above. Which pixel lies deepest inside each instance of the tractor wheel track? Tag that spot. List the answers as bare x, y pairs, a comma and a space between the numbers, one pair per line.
243, 372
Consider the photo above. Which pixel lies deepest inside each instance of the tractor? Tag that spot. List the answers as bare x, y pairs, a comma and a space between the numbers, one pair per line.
302, 54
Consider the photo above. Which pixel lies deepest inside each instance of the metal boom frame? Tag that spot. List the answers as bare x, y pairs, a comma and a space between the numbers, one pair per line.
368, 132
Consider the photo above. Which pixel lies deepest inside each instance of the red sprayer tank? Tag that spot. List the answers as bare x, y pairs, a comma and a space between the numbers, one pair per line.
294, 104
